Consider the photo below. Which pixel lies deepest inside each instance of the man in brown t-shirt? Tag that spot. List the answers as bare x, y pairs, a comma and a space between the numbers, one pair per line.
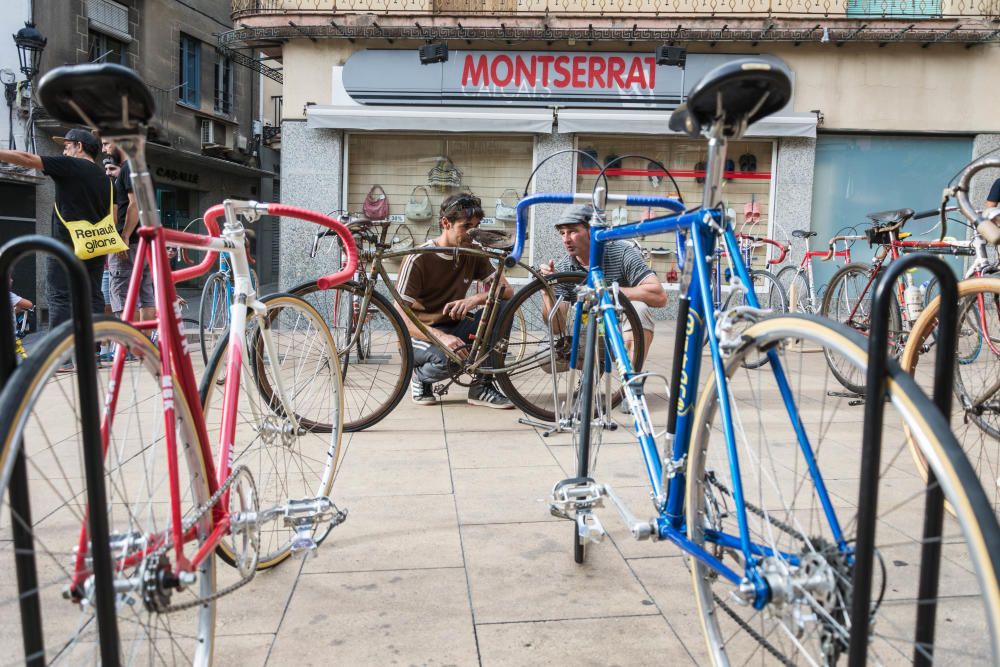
435, 286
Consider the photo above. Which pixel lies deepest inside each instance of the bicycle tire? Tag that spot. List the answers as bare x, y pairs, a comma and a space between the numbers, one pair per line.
138, 506
849, 292
582, 413
793, 537
785, 275
529, 384
773, 299
975, 414
213, 314
374, 382
285, 463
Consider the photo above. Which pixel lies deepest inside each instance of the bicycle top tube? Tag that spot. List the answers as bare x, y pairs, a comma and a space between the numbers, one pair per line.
667, 222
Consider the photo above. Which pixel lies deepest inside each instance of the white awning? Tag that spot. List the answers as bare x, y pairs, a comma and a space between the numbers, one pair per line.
430, 119
626, 121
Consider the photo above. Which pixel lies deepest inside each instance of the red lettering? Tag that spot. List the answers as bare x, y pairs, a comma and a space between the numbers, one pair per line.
579, 71
478, 74
508, 70
563, 71
616, 67
544, 62
635, 74
521, 72
651, 63
597, 67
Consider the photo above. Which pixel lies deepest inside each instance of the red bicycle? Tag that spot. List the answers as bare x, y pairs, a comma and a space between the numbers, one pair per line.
271, 393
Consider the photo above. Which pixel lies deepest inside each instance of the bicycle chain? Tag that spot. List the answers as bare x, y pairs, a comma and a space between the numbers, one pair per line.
188, 524
756, 510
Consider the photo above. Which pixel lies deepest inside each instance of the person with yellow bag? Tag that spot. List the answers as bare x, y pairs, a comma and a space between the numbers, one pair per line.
82, 217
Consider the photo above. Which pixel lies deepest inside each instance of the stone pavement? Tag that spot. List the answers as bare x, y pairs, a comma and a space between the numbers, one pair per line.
450, 557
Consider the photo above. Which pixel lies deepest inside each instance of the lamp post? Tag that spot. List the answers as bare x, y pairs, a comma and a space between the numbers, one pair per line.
30, 44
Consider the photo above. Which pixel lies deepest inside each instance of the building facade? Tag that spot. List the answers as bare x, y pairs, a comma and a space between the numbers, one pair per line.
886, 106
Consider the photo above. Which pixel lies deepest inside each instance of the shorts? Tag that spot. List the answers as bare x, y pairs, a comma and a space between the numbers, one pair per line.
120, 266
645, 314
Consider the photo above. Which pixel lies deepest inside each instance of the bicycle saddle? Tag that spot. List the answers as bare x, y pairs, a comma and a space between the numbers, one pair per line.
803, 234
889, 217
492, 238
736, 93
109, 98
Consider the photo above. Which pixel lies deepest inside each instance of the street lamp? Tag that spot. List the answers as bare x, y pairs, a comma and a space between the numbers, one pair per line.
30, 45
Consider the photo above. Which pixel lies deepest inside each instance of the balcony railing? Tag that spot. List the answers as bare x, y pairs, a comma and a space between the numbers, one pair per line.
902, 9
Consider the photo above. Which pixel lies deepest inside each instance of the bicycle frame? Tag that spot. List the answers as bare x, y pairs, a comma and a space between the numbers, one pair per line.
666, 476
175, 360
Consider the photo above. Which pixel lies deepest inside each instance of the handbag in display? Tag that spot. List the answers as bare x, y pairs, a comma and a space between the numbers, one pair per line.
507, 212
376, 206
95, 239
444, 174
419, 209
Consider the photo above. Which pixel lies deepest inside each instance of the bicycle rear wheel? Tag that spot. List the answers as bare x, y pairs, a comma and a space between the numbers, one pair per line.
848, 300
376, 356
975, 410
41, 406
213, 314
805, 562
286, 462
521, 355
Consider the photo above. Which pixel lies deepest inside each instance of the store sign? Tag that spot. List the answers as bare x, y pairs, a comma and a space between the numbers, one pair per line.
170, 174
522, 78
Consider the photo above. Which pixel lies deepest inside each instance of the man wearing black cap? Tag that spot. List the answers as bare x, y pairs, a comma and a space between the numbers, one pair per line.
83, 192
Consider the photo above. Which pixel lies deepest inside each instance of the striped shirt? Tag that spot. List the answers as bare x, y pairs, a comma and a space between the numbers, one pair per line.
623, 264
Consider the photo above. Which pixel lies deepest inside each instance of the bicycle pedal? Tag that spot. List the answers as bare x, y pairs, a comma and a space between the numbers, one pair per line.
589, 527
569, 496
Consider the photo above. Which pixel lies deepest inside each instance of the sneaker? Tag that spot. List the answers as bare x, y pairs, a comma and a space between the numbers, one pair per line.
422, 393
68, 367
486, 395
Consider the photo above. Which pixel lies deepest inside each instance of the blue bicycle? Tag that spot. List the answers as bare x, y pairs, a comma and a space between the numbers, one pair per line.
757, 478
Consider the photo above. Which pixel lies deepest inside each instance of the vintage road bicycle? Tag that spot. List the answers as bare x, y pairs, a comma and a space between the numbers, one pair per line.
804, 296
376, 351
270, 395
757, 479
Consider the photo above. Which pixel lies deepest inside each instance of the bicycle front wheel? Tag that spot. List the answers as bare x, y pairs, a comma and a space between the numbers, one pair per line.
848, 300
41, 408
213, 314
521, 354
376, 355
804, 551
975, 409
289, 439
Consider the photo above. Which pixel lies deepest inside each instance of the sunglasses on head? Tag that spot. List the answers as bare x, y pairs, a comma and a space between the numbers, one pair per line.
464, 203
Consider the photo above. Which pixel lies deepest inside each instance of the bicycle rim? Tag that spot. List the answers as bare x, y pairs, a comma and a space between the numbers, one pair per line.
809, 572
213, 315
42, 406
376, 357
285, 463
975, 414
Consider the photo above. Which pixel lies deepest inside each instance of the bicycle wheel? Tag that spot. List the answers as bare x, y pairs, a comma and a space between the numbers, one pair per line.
848, 300
770, 296
213, 314
41, 405
975, 412
785, 276
583, 410
528, 381
807, 566
796, 285
376, 369
286, 462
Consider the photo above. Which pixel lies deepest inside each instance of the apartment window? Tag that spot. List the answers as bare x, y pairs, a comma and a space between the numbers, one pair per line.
223, 85
190, 71
105, 49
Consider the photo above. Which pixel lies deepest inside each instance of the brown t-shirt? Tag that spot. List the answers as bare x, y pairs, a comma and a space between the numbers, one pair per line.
427, 281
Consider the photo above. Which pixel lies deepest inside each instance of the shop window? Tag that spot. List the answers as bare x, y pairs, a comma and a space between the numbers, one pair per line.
746, 190
223, 85
488, 165
189, 84
102, 48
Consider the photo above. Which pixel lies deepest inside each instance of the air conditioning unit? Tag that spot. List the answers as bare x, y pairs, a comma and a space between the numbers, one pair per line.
207, 133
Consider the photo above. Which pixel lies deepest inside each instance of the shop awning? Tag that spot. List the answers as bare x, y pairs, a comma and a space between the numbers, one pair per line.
430, 119
197, 160
623, 121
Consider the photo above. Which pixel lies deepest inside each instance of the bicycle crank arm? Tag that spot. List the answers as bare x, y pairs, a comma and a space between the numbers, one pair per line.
641, 530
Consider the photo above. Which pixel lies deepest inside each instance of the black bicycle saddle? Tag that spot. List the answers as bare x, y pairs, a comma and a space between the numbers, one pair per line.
112, 98
890, 217
741, 90
803, 234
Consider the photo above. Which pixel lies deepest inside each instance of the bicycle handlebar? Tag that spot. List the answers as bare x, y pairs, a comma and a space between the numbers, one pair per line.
782, 248
350, 266
987, 229
829, 255
514, 257
210, 218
